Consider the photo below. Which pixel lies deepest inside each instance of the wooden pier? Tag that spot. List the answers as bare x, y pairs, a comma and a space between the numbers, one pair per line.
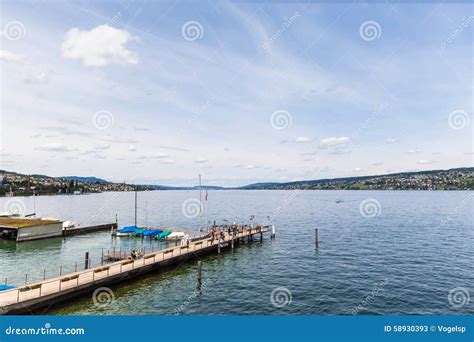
44, 294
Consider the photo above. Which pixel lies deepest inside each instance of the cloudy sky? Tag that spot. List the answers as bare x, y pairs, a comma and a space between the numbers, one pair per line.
240, 92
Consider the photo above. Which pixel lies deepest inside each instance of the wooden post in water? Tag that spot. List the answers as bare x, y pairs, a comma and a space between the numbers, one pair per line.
199, 275
219, 245
273, 232
316, 238
102, 258
86, 261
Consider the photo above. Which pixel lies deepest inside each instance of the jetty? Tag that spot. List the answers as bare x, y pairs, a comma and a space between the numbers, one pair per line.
43, 294
27, 229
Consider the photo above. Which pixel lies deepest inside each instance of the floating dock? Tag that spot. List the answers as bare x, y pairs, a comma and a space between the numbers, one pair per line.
89, 229
44, 294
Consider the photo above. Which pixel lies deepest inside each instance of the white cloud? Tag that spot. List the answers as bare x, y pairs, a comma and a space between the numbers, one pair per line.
303, 140
168, 161
357, 169
391, 141
34, 76
334, 141
101, 46
423, 162
9, 56
132, 148
201, 160
102, 147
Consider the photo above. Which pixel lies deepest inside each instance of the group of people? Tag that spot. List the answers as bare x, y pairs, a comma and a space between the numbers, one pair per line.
135, 254
215, 233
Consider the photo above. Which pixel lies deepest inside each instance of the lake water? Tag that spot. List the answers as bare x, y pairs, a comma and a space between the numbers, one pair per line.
380, 252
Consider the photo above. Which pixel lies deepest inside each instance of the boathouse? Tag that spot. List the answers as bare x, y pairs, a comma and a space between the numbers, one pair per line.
24, 229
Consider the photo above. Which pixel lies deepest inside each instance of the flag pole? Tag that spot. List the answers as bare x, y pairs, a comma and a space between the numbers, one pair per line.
200, 201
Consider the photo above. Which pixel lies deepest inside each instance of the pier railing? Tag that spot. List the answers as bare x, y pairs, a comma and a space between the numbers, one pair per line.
91, 275
91, 259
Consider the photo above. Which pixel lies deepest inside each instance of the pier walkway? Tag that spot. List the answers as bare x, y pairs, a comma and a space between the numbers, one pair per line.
45, 293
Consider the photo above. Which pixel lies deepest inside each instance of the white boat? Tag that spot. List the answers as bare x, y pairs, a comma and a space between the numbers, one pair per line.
175, 236
70, 224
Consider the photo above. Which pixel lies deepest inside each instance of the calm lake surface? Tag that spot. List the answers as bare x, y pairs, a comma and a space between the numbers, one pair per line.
404, 260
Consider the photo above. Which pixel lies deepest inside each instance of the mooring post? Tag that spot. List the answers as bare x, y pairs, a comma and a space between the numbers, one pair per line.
44, 274
316, 239
75, 266
86, 261
61, 270
261, 235
6, 279
273, 232
26, 278
199, 275
219, 245
232, 241
102, 258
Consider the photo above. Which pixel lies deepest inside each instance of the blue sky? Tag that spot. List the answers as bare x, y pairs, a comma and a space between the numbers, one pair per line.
241, 92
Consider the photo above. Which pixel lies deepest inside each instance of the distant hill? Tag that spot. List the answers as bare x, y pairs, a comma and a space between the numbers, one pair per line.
85, 179
452, 179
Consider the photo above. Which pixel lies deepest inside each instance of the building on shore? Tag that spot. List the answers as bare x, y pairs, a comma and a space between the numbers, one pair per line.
25, 229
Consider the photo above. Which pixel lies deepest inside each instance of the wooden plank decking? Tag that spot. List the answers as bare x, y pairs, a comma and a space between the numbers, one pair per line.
50, 291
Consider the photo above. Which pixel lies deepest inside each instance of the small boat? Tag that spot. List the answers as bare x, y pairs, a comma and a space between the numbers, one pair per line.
70, 224
138, 232
151, 232
162, 235
126, 231
175, 236
6, 287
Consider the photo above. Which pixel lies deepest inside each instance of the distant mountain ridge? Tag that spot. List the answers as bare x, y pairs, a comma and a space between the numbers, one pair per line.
451, 179
84, 179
